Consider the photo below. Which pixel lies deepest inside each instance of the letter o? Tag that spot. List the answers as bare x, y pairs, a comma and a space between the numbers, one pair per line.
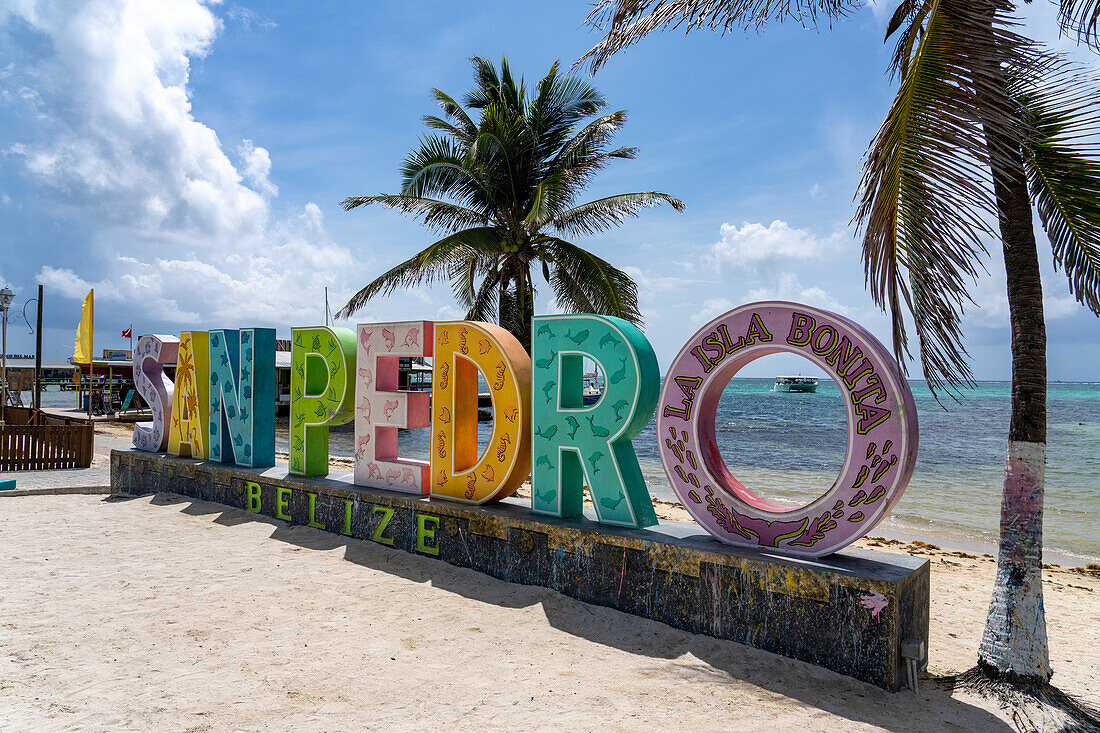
878, 462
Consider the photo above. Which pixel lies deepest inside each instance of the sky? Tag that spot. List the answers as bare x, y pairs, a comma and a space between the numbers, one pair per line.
187, 159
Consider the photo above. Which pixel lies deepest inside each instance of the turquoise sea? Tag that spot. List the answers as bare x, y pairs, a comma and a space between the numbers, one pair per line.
790, 447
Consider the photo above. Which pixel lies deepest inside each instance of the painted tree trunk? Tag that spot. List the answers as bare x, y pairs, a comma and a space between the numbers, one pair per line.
1015, 639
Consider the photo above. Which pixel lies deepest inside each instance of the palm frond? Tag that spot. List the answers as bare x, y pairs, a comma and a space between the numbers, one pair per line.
583, 282
1063, 167
602, 214
1083, 18
435, 214
436, 168
454, 110
428, 265
926, 203
628, 21
485, 301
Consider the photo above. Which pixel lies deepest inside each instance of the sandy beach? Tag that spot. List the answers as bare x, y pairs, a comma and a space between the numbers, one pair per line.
171, 614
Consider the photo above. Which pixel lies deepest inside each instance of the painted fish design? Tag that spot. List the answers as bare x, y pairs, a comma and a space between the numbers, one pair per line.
545, 329
547, 389
547, 497
618, 408
444, 374
612, 505
483, 347
441, 444
597, 455
550, 432
488, 474
573, 425
511, 414
578, 338
619, 375
598, 431
498, 383
471, 484
389, 338
412, 338
608, 339
545, 363
462, 342
544, 461
389, 408
502, 447
444, 415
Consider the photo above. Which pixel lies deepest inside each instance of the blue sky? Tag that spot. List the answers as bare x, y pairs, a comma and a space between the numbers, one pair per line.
188, 160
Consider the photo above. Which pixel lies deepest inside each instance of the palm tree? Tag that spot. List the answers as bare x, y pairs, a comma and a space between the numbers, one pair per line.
985, 124
504, 191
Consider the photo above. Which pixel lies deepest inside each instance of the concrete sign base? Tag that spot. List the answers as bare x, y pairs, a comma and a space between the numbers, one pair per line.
849, 612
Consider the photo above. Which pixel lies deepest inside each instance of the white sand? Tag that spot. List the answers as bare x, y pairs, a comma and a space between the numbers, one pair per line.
167, 614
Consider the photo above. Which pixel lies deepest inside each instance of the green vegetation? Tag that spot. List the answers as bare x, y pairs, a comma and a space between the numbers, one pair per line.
504, 190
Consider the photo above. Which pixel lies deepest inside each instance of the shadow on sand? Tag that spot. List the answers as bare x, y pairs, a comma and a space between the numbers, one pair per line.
715, 660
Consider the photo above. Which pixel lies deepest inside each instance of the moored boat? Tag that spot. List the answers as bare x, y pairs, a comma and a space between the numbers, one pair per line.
795, 384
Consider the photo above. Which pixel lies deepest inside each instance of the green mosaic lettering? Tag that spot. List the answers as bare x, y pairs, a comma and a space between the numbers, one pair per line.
282, 502
253, 496
423, 534
387, 512
313, 512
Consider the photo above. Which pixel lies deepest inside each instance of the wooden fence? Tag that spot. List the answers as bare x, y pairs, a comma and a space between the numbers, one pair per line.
32, 441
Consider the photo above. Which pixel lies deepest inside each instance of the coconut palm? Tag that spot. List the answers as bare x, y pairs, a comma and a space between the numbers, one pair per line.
504, 190
984, 125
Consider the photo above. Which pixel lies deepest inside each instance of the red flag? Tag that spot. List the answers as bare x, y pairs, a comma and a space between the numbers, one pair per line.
127, 333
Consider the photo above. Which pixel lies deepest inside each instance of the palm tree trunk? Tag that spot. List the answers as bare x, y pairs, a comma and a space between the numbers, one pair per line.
1015, 640
526, 308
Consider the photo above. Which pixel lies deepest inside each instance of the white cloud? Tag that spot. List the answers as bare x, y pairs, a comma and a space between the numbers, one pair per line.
990, 296
754, 244
651, 286
249, 19
450, 313
788, 287
179, 233
712, 308
257, 167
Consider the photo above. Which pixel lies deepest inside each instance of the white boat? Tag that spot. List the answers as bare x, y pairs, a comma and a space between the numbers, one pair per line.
798, 383
591, 392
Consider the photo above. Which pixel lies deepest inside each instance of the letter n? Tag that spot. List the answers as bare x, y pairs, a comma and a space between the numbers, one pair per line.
242, 396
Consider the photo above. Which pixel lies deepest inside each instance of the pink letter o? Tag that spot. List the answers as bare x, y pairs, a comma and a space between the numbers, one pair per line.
882, 429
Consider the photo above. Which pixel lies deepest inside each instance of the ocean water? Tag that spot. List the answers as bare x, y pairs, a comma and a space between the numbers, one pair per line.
789, 448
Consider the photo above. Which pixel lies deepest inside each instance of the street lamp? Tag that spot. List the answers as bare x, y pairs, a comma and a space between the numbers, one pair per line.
5, 300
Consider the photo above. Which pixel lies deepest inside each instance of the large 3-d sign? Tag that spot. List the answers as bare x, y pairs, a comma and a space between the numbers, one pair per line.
224, 402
